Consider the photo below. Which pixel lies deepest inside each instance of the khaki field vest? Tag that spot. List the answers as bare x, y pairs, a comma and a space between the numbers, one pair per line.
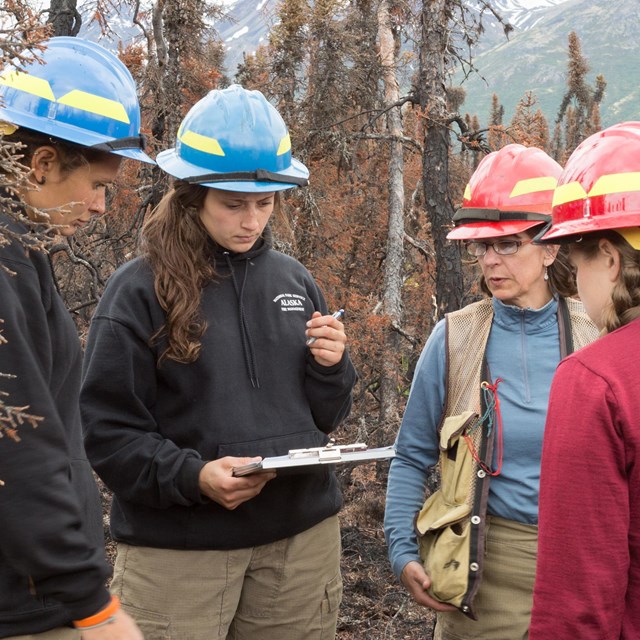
451, 525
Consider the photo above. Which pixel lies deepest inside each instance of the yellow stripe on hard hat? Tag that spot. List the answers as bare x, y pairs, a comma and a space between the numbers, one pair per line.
532, 185
29, 84
467, 193
616, 183
285, 145
201, 143
95, 104
568, 193
631, 235
6, 128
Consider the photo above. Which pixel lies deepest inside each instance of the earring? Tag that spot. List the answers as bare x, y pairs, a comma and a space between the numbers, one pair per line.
41, 181
546, 273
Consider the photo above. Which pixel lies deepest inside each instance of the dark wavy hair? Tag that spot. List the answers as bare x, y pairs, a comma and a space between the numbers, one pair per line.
177, 246
72, 155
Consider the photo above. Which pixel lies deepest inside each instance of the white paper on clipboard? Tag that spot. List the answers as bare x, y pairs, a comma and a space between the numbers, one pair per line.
329, 454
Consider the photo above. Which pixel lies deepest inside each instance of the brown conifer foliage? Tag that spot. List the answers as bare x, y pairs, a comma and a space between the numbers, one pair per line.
528, 125
578, 115
496, 137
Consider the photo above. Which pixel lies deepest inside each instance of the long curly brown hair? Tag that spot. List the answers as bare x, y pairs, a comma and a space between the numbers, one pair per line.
625, 297
176, 245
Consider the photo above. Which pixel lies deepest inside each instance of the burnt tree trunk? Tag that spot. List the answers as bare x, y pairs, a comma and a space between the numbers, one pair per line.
64, 18
435, 38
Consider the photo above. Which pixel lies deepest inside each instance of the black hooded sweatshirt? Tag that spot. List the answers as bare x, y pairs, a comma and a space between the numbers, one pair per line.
255, 390
52, 564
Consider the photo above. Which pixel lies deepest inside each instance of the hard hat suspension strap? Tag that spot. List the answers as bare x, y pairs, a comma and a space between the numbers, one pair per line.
260, 175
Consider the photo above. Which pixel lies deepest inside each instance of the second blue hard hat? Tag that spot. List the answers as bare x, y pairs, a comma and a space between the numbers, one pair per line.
234, 139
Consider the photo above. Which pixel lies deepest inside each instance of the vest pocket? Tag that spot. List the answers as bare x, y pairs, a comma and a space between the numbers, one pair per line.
442, 525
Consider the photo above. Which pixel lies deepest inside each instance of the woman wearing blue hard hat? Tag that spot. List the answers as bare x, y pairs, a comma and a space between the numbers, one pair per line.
72, 118
198, 361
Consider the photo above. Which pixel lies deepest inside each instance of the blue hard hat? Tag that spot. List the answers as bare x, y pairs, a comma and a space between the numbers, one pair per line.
82, 93
235, 140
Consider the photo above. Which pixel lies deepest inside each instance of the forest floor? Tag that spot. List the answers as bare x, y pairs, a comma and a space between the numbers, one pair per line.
374, 604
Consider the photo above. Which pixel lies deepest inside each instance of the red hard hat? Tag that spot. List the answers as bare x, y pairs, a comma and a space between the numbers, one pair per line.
510, 191
600, 185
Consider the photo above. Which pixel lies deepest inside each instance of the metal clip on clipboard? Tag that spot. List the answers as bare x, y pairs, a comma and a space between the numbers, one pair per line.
331, 453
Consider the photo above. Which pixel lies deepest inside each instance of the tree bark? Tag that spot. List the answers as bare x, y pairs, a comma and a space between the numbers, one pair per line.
64, 18
435, 37
392, 294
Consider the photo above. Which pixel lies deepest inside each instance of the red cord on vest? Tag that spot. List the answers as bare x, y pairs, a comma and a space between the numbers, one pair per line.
493, 408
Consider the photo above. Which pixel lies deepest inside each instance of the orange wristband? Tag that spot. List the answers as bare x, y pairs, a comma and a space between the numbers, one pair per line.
102, 617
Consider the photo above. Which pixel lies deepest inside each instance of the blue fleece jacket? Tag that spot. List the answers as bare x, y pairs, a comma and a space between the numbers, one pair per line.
523, 349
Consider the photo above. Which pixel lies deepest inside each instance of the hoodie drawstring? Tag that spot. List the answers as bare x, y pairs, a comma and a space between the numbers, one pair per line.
247, 343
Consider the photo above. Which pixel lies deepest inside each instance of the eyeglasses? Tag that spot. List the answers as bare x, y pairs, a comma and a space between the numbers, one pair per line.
501, 247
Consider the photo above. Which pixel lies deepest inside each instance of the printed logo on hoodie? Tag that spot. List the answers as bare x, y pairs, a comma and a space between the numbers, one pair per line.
290, 302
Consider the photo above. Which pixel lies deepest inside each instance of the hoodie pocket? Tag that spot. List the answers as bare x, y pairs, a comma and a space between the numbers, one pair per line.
280, 446
274, 445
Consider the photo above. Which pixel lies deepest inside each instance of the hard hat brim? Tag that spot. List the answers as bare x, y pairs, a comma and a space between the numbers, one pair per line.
134, 154
69, 133
568, 231
482, 230
170, 162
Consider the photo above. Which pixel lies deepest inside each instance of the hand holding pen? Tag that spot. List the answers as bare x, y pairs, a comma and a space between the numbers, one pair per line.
326, 337
337, 315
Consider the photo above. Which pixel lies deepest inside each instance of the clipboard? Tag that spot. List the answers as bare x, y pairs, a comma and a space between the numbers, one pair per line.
331, 453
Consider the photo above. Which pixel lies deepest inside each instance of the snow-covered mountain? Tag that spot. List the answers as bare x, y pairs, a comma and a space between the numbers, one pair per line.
122, 30
247, 28
532, 58
524, 14
535, 59
250, 21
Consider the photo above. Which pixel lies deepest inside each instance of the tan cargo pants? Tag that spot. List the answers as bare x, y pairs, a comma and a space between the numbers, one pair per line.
504, 600
286, 590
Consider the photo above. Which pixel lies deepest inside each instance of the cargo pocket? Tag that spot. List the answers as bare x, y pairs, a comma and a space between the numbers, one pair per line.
329, 608
332, 595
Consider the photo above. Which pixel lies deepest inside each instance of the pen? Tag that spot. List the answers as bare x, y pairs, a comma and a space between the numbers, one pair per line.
338, 314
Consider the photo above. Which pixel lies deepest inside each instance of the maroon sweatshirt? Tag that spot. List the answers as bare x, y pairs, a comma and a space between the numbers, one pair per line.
588, 576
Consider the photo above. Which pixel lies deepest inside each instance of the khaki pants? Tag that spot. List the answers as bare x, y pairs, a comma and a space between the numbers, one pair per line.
504, 600
63, 633
287, 590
